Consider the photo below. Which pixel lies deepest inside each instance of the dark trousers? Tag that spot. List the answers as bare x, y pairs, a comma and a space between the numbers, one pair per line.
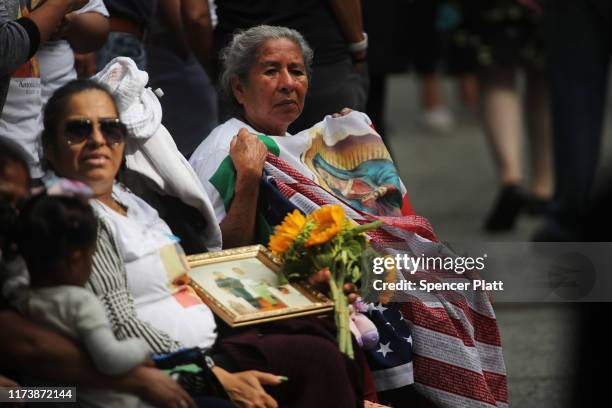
578, 46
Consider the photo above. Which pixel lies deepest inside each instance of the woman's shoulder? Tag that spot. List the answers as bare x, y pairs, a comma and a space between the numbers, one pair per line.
219, 139
139, 213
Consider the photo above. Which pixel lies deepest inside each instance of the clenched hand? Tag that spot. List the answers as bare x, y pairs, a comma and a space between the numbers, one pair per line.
248, 154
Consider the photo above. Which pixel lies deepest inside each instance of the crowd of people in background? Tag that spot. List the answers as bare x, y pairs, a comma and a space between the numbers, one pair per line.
521, 67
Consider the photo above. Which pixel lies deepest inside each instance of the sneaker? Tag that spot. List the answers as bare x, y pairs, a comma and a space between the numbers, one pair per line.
439, 119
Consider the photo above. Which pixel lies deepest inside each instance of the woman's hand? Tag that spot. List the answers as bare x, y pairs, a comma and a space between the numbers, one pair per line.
7, 382
343, 112
156, 388
248, 154
319, 279
245, 388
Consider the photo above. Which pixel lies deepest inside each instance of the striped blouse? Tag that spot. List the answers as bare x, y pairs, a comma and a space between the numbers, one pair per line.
109, 282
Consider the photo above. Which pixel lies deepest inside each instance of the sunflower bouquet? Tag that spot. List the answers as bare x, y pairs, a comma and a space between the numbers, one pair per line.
325, 239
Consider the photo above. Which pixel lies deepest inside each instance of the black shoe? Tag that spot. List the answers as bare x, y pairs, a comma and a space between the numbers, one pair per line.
507, 207
535, 205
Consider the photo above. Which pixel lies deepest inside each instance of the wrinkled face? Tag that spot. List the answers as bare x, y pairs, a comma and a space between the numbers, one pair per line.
274, 95
95, 160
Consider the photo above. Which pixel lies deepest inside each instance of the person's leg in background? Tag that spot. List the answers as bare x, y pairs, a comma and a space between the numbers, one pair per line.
467, 84
578, 54
436, 114
502, 119
426, 54
537, 114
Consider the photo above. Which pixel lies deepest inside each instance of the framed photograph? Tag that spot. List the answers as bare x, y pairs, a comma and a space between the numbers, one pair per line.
241, 286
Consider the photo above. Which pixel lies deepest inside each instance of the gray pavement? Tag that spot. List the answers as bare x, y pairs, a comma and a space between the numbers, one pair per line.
451, 180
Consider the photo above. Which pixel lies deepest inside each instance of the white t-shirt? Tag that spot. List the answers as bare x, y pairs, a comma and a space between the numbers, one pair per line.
213, 150
32, 85
153, 260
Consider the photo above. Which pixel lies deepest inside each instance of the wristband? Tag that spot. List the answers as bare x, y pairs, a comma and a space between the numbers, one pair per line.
210, 363
360, 45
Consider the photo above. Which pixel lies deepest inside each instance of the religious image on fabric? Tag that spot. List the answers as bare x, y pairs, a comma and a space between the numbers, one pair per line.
358, 169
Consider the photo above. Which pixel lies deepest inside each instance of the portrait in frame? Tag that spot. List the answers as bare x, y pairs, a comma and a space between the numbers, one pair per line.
241, 286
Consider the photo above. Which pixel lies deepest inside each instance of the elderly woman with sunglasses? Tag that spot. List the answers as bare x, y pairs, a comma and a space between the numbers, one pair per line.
84, 140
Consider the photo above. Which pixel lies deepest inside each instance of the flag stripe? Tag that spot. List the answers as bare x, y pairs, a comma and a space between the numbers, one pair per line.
457, 380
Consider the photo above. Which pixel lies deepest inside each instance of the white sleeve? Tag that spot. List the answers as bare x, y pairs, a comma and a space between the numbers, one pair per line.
205, 167
111, 356
94, 6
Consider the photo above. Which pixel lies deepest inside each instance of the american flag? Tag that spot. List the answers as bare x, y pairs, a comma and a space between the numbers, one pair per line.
391, 359
448, 345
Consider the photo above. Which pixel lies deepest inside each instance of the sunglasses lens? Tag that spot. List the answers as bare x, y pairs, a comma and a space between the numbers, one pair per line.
114, 131
76, 131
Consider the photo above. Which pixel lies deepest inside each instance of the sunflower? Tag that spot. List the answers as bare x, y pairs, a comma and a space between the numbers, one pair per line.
328, 223
285, 233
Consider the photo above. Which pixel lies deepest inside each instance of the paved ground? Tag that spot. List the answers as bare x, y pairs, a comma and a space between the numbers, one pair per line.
450, 179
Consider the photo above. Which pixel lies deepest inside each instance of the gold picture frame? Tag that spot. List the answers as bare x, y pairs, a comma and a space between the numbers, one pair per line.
240, 285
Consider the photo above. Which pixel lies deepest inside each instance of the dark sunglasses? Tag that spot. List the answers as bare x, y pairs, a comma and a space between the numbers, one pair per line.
79, 130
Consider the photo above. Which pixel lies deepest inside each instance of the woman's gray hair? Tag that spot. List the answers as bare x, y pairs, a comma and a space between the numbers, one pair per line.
244, 49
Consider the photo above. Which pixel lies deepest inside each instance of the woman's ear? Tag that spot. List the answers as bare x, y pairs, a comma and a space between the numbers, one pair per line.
237, 89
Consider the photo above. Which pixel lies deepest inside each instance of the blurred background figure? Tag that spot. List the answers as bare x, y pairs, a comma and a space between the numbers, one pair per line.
406, 35
457, 60
503, 40
79, 26
129, 21
578, 42
82, 31
178, 50
387, 33
332, 28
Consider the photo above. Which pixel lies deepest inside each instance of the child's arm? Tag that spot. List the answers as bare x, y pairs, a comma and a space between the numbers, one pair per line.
111, 356
35, 350
87, 317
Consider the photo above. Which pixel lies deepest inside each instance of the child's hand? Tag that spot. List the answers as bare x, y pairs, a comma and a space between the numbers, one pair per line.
149, 363
319, 279
182, 280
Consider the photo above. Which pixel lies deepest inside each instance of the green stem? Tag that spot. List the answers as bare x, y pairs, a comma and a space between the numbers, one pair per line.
345, 343
368, 226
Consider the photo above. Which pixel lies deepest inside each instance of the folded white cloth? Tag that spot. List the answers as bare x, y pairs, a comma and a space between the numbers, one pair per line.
150, 149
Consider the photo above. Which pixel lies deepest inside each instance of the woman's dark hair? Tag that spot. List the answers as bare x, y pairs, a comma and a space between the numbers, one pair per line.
11, 152
55, 110
50, 228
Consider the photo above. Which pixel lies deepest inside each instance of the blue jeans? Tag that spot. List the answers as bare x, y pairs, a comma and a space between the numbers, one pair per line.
122, 45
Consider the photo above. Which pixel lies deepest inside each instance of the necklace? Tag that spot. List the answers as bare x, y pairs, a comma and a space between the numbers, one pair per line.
116, 206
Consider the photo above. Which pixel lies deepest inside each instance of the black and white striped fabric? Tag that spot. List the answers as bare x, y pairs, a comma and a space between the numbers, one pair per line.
108, 281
